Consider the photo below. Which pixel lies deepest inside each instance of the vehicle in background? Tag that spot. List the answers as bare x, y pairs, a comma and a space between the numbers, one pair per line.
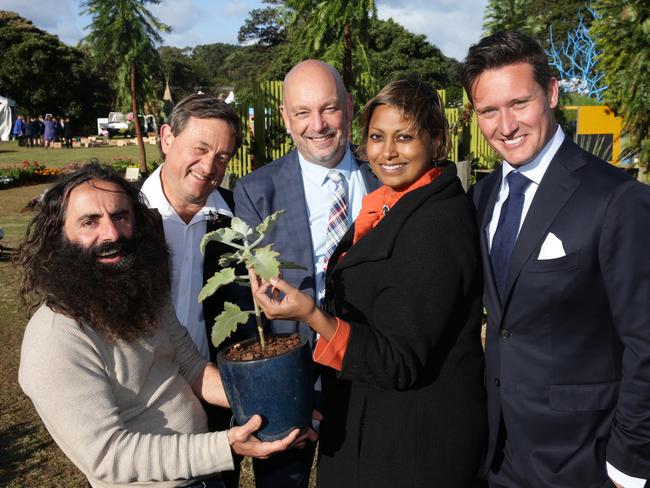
122, 124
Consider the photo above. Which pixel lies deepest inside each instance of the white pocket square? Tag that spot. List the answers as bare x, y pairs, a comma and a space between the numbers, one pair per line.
552, 248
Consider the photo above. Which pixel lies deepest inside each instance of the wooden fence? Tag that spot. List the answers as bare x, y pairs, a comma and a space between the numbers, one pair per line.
266, 138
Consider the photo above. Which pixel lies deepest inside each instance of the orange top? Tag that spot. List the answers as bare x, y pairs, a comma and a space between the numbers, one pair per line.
375, 206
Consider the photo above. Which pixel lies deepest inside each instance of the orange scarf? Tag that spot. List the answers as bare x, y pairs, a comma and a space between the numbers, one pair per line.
376, 204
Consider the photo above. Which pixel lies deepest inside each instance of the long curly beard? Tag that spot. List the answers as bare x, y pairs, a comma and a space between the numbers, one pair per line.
120, 301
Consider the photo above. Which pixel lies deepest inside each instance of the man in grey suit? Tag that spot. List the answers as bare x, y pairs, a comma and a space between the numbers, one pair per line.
564, 241
317, 112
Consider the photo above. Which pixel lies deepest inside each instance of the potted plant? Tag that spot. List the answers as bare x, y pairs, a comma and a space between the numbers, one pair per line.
268, 375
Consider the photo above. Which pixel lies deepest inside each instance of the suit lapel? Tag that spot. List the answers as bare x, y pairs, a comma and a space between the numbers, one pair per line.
290, 193
485, 208
555, 189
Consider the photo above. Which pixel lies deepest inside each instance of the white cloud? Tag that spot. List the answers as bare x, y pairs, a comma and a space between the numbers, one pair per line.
451, 25
59, 17
181, 15
240, 9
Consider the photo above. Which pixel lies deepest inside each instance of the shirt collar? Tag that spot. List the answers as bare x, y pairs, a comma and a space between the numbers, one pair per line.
157, 199
536, 169
318, 174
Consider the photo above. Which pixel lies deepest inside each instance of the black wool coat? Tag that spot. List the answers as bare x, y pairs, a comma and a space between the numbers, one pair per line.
408, 407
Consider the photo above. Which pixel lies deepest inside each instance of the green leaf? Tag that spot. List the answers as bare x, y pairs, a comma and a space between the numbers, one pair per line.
290, 265
268, 223
265, 263
225, 236
219, 279
241, 228
229, 258
226, 322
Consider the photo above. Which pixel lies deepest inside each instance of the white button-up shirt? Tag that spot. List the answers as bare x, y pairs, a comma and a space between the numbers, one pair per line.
186, 260
534, 171
318, 196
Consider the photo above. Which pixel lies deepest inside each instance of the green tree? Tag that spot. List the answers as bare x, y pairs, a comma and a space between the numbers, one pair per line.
622, 34
178, 70
263, 27
210, 64
335, 28
123, 35
397, 53
44, 75
506, 15
563, 16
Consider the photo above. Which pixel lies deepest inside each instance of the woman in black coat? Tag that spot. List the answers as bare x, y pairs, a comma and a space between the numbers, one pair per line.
403, 395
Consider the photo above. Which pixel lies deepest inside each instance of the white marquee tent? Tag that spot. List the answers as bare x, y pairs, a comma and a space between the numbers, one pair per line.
6, 120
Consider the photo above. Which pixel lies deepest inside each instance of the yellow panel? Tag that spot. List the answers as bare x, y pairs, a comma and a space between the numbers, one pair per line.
599, 119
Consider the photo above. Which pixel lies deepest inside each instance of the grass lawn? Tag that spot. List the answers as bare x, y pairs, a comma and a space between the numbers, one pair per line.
29, 456
12, 154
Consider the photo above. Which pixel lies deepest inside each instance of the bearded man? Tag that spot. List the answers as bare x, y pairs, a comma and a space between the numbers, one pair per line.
115, 378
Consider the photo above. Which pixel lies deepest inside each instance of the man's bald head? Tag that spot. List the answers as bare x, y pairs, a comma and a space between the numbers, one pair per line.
317, 109
312, 69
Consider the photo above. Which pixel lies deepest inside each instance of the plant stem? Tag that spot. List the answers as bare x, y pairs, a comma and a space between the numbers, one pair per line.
260, 328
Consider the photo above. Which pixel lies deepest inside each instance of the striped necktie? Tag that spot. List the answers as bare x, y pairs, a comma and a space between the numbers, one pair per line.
338, 221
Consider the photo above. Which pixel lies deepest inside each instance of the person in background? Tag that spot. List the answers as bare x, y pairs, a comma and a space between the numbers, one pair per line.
115, 378
49, 130
18, 131
564, 240
32, 131
67, 133
399, 329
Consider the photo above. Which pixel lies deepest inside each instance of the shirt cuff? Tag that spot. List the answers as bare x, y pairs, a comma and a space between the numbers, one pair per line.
622, 479
330, 353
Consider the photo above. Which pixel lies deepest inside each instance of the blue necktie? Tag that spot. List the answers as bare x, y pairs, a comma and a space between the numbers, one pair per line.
507, 229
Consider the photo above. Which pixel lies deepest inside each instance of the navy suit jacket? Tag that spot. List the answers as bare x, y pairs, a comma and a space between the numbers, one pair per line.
278, 186
568, 350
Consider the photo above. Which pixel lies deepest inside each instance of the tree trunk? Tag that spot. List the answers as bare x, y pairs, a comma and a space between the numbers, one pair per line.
138, 130
347, 58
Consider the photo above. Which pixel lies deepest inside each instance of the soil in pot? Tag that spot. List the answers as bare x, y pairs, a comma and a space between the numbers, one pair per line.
275, 346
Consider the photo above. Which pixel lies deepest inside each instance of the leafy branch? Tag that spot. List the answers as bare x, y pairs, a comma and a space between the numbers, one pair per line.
263, 260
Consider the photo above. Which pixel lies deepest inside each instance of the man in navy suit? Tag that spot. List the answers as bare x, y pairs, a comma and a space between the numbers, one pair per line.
317, 112
565, 242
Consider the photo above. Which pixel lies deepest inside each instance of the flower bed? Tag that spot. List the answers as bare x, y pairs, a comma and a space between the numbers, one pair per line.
26, 173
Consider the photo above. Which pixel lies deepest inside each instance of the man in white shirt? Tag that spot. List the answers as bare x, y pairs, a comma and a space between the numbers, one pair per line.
565, 241
201, 137
317, 112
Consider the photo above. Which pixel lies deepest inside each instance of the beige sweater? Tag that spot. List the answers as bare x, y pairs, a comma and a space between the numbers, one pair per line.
123, 413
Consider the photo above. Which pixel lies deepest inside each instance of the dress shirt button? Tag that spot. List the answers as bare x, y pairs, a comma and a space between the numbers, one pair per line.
505, 333
497, 382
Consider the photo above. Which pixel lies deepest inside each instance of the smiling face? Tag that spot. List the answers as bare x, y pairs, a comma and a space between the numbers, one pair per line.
515, 113
195, 162
99, 214
316, 112
398, 153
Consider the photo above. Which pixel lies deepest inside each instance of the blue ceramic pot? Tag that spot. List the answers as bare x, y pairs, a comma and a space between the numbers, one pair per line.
277, 388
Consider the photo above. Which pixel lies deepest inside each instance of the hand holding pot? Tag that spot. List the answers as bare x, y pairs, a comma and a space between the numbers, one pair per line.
243, 442
279, 300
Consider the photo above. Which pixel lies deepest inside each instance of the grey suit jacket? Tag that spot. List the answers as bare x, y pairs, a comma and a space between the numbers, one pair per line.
278, 186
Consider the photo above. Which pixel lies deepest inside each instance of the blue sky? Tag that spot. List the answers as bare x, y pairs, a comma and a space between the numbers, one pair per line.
452, 25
